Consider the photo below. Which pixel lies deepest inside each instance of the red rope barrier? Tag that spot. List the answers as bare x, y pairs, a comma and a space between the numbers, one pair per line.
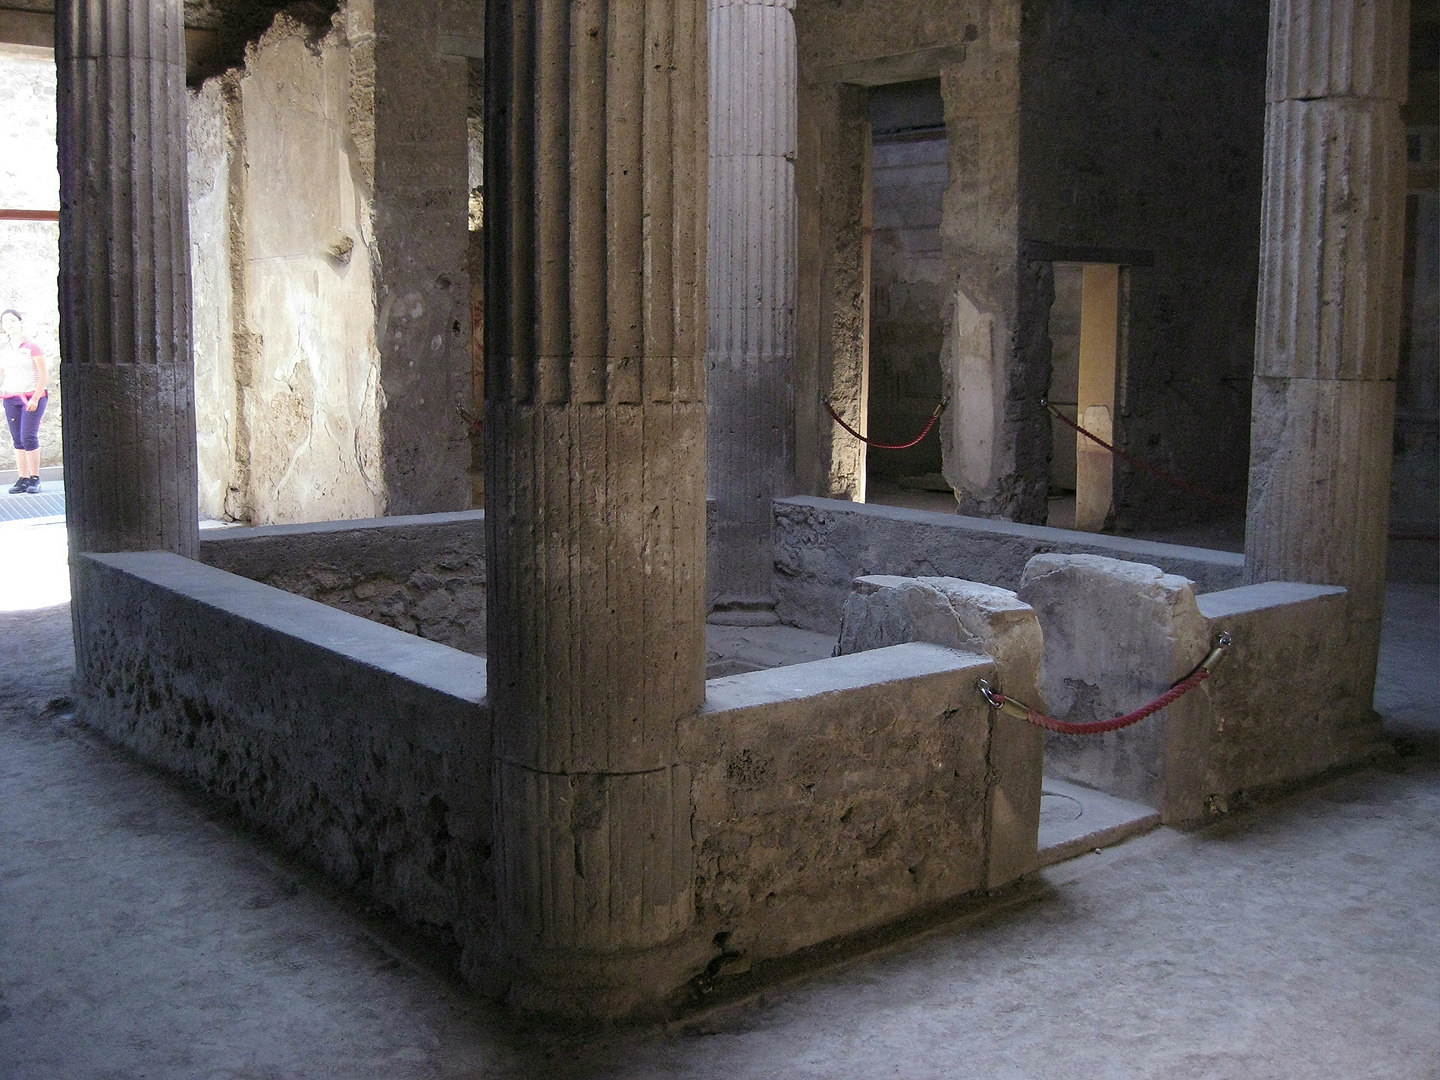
1169, 478
1021, 711
888, 446
1099, 727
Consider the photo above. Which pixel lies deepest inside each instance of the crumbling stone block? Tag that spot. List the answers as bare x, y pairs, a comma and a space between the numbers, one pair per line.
1117, 636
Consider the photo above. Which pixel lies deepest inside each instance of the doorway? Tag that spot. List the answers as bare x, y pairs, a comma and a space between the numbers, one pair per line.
29, 261
908, 282
1084, 357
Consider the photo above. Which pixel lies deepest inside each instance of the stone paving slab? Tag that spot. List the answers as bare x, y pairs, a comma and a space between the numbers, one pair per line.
1075, 819
48, 503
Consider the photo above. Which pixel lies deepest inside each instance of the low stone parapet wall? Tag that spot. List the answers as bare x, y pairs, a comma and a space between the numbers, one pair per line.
1284, 705
363, 747
424, 573
421, 573
828, 798
822, 545
1288, 702
886, 610
837, 796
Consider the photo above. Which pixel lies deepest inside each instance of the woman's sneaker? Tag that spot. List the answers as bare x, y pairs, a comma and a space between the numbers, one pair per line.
32, 485
21, 486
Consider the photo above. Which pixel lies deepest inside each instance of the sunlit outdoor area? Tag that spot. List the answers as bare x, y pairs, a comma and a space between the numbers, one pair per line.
32, 511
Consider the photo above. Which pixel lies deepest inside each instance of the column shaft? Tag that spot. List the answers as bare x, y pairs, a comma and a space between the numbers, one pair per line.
595, 457
749, 357
1329, 312
129, 433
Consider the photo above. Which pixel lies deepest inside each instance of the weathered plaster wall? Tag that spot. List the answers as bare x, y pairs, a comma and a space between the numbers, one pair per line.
1143, 129
217, 398
29, 250
329, 183
1064, 372
1080, 126
421, 215
421, 574
987, 452
287, 372
832, 294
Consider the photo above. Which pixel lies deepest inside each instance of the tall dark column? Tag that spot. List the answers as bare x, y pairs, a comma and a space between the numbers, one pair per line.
595, 470
1327, 341
129, 434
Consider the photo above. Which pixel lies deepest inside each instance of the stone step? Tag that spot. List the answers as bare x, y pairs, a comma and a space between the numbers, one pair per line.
1076, 819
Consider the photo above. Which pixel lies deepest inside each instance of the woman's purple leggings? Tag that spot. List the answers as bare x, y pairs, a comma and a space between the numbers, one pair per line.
24, 425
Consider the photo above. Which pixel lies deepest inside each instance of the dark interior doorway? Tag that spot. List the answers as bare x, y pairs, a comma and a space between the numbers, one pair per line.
908, 280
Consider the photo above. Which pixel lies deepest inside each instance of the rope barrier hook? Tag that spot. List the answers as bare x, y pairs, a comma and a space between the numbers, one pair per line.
1000, 703
1221, 650
988, 692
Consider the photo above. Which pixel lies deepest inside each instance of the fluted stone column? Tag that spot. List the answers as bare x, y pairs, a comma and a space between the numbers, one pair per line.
595, 458
1327, 340
129, 433
749, 382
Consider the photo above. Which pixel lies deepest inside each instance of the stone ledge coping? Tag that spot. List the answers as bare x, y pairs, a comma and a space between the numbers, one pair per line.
1268, 594
896, 663
401, 521
427, 663
1122, 547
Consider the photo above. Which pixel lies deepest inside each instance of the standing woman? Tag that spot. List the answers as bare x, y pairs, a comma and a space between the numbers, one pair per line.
23, 388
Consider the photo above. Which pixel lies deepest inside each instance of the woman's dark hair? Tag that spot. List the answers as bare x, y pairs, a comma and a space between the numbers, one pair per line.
12, 311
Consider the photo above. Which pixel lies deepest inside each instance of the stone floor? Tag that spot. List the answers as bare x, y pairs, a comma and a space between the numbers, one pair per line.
143, 934
1075, 819
731, 650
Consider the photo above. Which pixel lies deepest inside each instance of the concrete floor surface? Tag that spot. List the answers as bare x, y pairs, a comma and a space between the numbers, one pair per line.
144, 934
